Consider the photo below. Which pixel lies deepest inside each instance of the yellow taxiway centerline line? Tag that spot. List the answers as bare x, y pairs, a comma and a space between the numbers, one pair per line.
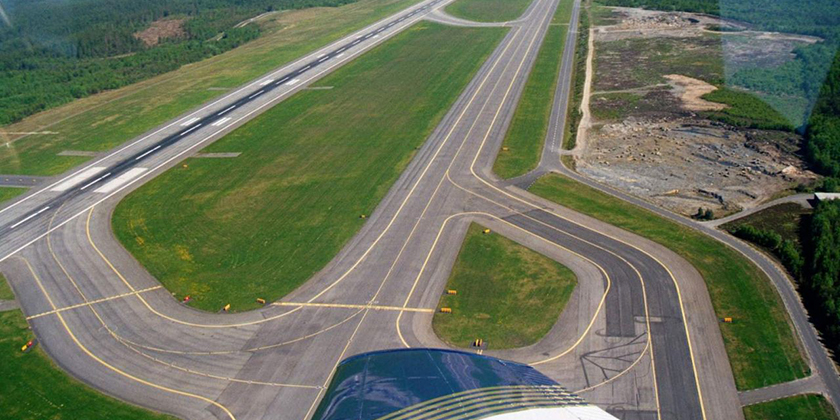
109, 366
82, 305
351, 306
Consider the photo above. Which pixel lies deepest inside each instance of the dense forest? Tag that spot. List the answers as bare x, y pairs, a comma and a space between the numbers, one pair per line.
822, 281
54, 51
823, 132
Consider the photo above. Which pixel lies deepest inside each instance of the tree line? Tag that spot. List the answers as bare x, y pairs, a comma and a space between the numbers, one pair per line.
53, 52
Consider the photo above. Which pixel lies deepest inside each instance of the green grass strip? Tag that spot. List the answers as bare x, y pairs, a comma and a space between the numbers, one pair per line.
5, 289
259, 225
811, 407
8, 193
526, 135
760, 343
488, 10
104, 121
33, 388
508, 295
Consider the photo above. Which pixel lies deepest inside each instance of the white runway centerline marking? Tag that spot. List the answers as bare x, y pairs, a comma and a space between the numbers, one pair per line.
120, 180
189, 121
144, 154
188, 131
94, 181
292, 82
256, 94
221, 122
78, 179
227, 109
30, 216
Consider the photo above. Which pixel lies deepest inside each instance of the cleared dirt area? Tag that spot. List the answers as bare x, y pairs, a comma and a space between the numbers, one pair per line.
161, 29
655, 133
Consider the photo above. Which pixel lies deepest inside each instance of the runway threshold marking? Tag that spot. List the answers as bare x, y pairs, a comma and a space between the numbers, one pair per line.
189, 121
221, 122
120, 180
82, 305
351, 306
76, 180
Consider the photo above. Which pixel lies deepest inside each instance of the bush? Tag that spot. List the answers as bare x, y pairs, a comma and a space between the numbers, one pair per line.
785, 249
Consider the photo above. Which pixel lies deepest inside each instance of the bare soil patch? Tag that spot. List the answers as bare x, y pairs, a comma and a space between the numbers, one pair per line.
650, 132
691, 91
161, 29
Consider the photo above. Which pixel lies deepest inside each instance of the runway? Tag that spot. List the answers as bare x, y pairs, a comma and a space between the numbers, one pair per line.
639, 337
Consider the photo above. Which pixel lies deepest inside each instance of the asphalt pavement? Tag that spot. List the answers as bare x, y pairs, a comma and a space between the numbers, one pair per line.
639, 338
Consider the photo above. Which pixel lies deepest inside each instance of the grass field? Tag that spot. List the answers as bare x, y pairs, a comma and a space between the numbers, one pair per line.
800, 407
8, 193
103, 121
33, 388
5, 289
259, 225
760, 343
488, 10
508, 295
526, 135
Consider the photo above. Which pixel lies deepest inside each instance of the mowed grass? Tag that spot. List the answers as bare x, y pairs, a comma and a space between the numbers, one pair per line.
33, 388
488, 10
101, 122
508, 295
5, 290
760, 342
259, 225
526, 135
800, 407
8, 193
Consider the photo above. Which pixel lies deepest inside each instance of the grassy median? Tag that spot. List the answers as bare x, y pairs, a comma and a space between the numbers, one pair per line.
526, 135
508, 295
760, 343
101, 122
259, 225
8, 193
33, 388
5, 290
811, 407
488, 10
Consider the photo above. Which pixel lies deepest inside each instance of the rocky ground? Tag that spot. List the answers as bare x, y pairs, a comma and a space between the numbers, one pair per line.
650, 132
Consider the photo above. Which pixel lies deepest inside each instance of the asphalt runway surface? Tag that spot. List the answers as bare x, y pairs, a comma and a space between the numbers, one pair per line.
639, 337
